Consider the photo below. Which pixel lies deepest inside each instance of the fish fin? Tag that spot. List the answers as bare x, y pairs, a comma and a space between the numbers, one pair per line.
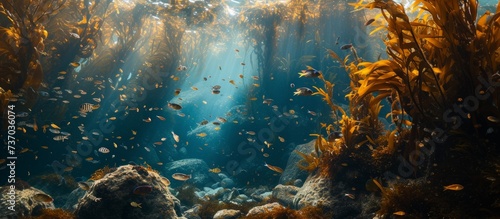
302, 74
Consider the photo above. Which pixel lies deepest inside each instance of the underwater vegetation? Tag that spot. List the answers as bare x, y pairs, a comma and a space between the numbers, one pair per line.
48, 213
441, 84
439, 81
100, 173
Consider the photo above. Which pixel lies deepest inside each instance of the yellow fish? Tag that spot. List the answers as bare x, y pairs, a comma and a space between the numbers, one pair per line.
54, 126
201, 135
214, 170
135, 204
274, 168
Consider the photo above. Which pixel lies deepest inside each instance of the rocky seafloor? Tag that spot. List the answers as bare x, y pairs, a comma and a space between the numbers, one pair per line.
205, 195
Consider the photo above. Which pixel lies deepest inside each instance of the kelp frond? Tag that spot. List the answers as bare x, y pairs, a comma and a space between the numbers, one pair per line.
100, 173
309, 162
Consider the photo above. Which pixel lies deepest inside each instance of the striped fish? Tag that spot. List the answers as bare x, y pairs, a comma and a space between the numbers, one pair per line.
86, 107
103, 150
60, 138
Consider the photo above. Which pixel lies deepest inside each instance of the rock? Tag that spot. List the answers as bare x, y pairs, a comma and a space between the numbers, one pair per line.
292, 171
222, 175
73, 198
116, 191
227, 183
285, 194
230, 194
200, 194
316, 191
215, 185
262, 197
241, 199
193, 212
263, 208
228, 214
298, 182
25, 203
259, 194
214, 192
196, 167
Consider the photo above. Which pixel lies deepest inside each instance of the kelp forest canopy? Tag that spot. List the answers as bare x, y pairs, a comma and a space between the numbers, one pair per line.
46, 40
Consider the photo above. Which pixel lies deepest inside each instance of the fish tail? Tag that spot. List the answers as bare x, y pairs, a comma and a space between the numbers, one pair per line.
296, 93
302, 74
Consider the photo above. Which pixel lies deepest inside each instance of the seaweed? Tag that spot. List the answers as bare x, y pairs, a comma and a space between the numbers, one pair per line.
186, 194
22, 35
100, 173
427, 85
57, 213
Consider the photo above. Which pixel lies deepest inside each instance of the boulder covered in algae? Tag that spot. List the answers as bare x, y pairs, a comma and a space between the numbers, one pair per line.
29, 201
128, 192
197, 168
338, 200
316, 191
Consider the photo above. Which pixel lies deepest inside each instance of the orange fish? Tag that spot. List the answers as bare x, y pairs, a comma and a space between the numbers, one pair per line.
453, 187
35, 126
399, 213
274, 168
